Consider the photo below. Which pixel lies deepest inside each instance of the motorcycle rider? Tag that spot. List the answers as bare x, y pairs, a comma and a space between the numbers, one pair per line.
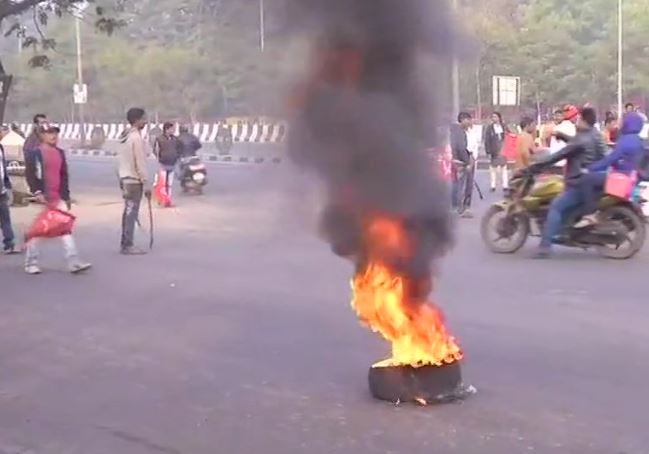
586, 148
189, 143
625, 158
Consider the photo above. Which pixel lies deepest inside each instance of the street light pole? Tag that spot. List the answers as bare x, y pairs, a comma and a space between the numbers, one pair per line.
620, 61
77, 24
262, 26
455, 77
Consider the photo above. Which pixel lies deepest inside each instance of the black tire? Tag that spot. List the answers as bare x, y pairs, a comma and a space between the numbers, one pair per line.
518, 237
635, 225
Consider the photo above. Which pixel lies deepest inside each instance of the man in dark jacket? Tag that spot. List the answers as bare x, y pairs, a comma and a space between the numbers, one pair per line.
46, 171
167, 149
586, 148
463, 164
8, 238
33, 141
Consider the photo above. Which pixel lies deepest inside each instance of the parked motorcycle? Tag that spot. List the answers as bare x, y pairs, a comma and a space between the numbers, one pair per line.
193, 175
619, 232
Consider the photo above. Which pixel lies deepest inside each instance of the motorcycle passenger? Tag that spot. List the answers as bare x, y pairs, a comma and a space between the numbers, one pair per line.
587, 147
625, 158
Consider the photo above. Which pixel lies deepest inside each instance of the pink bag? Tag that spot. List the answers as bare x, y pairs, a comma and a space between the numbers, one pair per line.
620, 184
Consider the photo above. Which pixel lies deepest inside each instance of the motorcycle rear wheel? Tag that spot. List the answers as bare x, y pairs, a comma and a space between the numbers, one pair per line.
635, 231
496, 226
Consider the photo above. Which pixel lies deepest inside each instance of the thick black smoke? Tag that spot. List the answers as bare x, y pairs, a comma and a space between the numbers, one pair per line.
367, 139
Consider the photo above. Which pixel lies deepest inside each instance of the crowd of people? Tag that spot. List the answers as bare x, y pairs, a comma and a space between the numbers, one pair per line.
572, 144
47, 177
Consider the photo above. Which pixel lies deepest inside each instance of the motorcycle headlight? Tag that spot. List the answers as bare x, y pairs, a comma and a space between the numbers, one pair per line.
198, 177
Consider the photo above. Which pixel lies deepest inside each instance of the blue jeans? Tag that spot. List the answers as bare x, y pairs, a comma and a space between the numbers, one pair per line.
592, 185
5, 223
462, 189
458, 190
560, 207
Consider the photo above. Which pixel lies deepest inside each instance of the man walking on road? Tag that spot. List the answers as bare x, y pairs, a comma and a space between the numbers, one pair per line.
133, 178
46, 171
167, 149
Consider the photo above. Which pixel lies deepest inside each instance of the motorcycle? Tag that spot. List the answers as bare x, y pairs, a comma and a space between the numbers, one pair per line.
619, 232
193, 175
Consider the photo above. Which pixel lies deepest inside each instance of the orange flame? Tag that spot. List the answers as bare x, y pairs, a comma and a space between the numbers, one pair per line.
383, 302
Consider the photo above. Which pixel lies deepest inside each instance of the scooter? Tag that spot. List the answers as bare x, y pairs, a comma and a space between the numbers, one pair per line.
193, 175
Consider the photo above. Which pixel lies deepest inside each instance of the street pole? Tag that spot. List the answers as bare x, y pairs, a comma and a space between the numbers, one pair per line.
262, 26
620, 61
77, 23
455, 77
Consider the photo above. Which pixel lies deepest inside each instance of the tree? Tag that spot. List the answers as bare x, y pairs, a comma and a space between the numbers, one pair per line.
14, 11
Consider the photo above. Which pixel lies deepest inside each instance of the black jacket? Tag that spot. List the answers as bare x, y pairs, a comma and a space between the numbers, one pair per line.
189, 144
493, 143
35, 175
586, 148
167, 149
459, 144
31, 143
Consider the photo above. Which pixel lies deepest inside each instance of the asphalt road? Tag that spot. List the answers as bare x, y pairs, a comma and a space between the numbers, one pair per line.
236, 336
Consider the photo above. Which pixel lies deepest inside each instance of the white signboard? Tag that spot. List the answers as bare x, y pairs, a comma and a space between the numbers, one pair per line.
506, 91
77, 9
80, 93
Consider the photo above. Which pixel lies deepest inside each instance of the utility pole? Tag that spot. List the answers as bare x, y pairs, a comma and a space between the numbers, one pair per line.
455, 76
77, 24
620, 61
262, 26
21, 36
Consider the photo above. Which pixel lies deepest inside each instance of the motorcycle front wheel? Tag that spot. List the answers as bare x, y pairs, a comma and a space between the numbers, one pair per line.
503, 234
628, 223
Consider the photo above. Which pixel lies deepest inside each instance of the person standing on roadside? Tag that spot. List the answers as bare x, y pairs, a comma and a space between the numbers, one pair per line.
8, 237
494, 138
46, 171
133, 177
167, 149
525, 146
462, 164
33, 141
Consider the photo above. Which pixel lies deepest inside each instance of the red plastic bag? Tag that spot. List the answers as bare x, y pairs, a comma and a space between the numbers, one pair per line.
620, 184
160, 192
51, 223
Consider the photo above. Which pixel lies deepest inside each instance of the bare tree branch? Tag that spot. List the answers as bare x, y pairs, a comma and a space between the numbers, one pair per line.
12, 7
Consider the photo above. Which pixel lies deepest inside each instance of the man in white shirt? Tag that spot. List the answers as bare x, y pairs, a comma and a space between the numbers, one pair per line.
567, 129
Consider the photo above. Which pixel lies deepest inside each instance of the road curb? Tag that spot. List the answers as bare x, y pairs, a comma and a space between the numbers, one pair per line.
206, 157
482, 164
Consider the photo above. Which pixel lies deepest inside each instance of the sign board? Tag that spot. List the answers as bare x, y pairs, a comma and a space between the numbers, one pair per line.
506, 91
80, 93
77, 9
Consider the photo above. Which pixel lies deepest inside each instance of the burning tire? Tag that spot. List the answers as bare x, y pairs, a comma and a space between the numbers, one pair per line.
424, 385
